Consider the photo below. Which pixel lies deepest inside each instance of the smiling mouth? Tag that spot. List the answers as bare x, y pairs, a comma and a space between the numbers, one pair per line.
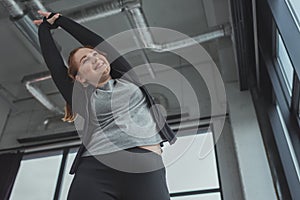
99, 66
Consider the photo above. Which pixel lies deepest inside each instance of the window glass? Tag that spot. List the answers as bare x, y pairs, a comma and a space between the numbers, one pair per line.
189, 171
294, 6
299, 110
212, 196
37, 178
288, 140
285, 63
67, 178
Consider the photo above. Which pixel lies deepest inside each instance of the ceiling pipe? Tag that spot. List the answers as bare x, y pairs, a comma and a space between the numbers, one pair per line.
22, 21
136, 15
139, 39
13, 8
34, 6
92, 12
30, 31
37, 93
222, 32
139, 20
95, 11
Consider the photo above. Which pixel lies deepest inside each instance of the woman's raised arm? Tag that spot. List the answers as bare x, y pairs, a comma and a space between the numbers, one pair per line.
79, 32
88, 37
54, 62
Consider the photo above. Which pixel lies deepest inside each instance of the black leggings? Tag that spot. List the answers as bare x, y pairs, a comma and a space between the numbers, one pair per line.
96, 181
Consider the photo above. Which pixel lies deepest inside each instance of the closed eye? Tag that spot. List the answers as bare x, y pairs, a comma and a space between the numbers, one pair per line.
84, 61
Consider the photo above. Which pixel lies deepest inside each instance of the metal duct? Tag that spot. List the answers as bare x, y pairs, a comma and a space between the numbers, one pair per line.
30, 31
37, 93
13, 8
33, 6
92, 12
139, 20
223, 31
136, 15
22, 21
95, 10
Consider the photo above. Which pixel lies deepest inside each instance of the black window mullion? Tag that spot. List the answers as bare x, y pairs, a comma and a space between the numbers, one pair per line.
285, 153
288, 31
295, 96
61, 174
283, 83
289, 119
275, 13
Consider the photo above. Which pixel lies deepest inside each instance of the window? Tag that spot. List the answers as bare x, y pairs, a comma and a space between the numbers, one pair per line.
294, 6
196, 173
213, 196
299, 110
289, 142
37, 178
67, 178
285, 64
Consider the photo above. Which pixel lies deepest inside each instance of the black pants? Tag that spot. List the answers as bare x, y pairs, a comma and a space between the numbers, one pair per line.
96, 181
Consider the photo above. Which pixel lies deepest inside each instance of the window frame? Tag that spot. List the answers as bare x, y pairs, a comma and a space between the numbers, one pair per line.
294, 15
65, 151
280, 70
278, 17
288, 29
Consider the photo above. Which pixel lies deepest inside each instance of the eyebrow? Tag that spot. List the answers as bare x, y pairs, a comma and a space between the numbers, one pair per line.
86, 56
82, 58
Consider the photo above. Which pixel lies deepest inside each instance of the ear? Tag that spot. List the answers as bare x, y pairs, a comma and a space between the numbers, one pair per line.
81, 80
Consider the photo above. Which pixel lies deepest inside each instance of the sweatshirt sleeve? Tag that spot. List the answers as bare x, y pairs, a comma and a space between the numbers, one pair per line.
88, 37
55, 63
79, 32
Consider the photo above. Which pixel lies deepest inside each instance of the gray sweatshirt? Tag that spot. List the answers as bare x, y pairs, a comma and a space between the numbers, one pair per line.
124, 119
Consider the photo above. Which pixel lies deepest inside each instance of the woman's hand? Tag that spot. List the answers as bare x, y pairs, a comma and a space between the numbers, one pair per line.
46, 14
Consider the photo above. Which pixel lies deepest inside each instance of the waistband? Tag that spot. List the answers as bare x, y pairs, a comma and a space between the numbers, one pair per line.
131, 160
140, 150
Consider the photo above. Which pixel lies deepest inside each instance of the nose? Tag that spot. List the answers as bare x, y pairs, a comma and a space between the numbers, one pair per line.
96, 60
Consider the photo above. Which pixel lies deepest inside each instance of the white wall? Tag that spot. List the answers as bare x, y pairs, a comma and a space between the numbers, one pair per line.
251, 155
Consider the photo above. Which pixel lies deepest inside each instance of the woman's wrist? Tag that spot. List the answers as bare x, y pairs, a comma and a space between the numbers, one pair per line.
51, 15
51, 23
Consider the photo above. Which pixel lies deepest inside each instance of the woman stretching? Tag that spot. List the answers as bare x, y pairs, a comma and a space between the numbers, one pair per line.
113, 90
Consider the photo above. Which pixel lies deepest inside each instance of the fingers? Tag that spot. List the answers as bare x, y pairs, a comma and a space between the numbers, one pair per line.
52, 19
44, 13
37, 22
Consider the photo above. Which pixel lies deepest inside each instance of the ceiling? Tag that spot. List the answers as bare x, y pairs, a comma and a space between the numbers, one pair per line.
19, 58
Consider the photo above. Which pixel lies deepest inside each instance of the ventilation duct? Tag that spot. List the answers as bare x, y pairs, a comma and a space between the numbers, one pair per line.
138, 18
22, 21
29, 30
96, 11
37, 93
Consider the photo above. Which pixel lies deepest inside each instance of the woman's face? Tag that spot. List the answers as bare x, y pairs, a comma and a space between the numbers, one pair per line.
93, 67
